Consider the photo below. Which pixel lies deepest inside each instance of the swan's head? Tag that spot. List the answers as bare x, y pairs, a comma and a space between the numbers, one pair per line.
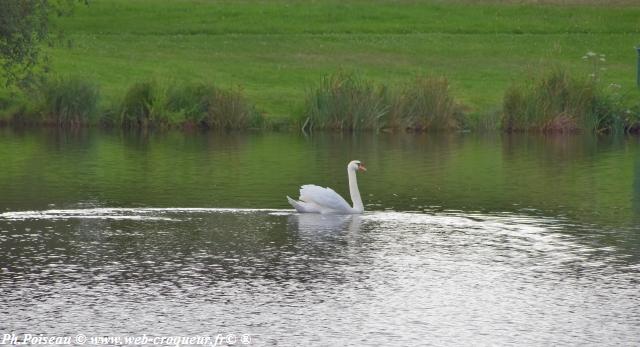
356, 165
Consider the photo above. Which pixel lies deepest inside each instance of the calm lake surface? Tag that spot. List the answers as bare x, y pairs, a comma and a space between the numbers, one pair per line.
467, 239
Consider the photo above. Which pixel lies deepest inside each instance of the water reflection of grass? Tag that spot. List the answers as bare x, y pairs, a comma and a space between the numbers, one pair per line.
587, 178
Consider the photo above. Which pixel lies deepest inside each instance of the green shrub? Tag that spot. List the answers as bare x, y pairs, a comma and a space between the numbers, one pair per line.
488, 120
140, 106
13, 107
212, 107
189, 102
67, 101
558, 102
345, 101
229, 109
426, 104
148, 104
632, 119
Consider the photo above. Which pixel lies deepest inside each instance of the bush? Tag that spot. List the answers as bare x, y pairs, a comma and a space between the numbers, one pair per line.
426, 104
211, 107
558, 102
140, 106
147, 104
13, 107
189, 102
229, 109
69, 101
346, 102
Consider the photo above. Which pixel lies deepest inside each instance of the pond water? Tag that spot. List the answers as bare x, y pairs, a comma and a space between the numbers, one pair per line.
467, 239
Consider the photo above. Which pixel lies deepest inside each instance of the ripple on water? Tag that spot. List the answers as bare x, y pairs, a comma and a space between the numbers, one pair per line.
375, 279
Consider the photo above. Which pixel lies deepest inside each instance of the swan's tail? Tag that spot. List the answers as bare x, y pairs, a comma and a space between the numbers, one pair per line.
294, 203
298, 205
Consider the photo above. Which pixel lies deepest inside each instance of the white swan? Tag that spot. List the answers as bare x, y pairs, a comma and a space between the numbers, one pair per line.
315, 199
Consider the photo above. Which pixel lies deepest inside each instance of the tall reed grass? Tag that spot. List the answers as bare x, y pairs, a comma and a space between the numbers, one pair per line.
425, 104
141, 105
13, 107
346, 101
558, 102
633, 118
148, 104
66, 101
228, 109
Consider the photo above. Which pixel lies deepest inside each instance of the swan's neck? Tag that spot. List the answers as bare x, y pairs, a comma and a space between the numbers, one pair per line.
355, 192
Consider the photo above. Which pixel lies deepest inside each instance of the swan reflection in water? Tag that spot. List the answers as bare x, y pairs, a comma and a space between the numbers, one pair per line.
312, 223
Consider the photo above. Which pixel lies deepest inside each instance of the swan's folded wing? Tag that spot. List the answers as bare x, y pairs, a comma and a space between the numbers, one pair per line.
304, 207
324, 197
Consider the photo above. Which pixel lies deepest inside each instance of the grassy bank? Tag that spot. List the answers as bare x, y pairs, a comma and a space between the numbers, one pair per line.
277, 51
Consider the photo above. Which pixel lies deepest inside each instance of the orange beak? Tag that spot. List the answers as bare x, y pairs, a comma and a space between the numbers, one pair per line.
362, 168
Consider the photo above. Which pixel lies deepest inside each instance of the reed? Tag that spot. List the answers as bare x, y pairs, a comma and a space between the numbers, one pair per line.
65, 101
210, 107
140, 106
149, 104
345, 101
425, 104
555, 102
229, 109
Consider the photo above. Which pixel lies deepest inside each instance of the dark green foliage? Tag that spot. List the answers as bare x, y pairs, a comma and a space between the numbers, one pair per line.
556, 102
614, 113
12, 108
211, 107
147, 104
69, 101
426, 104
74, 101
632, 118
189, 102
24, 24
140, 104
229, 109
345, 101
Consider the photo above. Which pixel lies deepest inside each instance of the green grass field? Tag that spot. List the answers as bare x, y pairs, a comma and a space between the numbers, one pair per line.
277, 50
